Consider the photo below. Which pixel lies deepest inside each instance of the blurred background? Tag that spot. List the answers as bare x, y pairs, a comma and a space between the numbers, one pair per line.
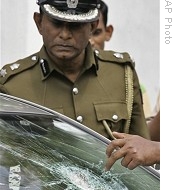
136, 31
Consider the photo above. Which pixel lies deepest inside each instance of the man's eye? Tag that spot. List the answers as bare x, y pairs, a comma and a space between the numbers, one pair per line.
76, 25
72, 26
97, 32
57, 22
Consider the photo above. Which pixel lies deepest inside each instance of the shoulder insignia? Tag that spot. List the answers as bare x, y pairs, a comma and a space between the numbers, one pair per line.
21, 65
115, 57
3, 72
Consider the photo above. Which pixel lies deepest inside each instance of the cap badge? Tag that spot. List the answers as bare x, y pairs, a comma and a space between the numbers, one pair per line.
72, 4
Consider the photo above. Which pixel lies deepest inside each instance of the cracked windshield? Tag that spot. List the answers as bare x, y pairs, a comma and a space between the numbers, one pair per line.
40, 151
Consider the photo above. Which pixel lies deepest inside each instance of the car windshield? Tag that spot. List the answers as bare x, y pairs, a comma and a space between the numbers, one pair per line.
41, 151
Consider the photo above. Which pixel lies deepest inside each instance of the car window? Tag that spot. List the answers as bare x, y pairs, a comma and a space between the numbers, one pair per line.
39, 151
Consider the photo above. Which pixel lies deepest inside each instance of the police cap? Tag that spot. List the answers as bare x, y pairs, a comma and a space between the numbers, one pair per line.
71, 10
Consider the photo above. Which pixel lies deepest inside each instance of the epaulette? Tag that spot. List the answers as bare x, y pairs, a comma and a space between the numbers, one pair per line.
115, 57
19, 66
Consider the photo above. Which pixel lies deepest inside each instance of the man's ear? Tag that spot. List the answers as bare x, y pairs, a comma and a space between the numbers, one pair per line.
109, 32
38, 19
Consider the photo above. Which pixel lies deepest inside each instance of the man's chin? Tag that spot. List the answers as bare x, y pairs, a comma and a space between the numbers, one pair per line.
63, 55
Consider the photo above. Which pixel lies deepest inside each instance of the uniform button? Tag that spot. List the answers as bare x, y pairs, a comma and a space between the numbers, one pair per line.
42, 61
34, 58
97, 52
80, 119
75, 91
115, 117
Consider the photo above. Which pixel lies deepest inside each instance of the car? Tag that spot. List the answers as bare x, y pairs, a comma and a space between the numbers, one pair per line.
41, 149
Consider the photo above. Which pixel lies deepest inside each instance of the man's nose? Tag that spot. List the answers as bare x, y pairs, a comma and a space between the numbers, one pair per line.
65, 32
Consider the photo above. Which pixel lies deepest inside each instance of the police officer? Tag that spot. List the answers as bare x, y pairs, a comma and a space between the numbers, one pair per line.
98, 89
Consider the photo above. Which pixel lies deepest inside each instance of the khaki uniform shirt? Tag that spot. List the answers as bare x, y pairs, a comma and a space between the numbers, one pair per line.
98, 94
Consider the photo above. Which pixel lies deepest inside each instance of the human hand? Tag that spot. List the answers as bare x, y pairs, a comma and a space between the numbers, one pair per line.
135, 150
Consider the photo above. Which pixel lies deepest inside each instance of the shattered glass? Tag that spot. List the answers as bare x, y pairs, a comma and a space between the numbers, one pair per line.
42, 152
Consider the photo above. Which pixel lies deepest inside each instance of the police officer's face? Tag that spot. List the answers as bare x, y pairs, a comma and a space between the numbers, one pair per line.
63, 40
101, 34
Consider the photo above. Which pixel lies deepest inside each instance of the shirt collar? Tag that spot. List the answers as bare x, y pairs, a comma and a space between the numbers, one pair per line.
90, 60
47, 66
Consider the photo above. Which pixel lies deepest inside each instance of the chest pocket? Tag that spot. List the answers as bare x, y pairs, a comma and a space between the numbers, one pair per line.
113, 115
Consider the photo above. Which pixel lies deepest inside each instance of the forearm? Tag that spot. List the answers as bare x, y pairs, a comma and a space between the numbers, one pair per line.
154, 128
